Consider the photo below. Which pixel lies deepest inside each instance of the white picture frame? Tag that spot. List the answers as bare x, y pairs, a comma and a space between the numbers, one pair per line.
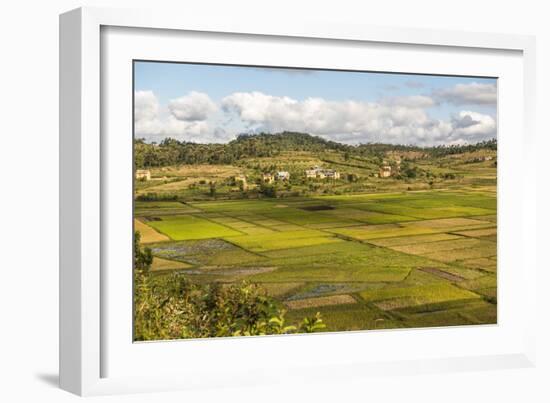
83, 167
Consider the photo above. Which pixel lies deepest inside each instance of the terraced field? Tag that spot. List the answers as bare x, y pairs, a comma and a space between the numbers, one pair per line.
365, 261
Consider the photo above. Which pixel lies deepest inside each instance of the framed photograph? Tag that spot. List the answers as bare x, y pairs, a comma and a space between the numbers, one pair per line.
244, 203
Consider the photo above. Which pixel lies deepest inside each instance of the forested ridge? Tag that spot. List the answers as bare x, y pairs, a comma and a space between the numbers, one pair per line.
171, 151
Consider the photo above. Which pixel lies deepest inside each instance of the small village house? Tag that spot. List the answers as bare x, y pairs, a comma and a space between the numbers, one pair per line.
322, 173
385, 171
241, 179
332, 174
143, 174
268, 178
283, 175
311, 173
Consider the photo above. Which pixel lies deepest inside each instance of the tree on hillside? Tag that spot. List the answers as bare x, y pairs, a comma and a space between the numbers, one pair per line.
268, 190
212, 188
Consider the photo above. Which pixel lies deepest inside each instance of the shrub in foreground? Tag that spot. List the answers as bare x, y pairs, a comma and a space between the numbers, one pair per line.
172, 307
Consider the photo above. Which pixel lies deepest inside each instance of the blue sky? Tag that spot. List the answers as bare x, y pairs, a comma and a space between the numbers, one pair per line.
210, 103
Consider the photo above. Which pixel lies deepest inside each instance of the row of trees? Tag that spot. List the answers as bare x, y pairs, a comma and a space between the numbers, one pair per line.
441, 151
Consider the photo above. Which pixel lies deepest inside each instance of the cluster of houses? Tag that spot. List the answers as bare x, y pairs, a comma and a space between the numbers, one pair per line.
480, 159
386, 169
279, 175
315, 173
322, 173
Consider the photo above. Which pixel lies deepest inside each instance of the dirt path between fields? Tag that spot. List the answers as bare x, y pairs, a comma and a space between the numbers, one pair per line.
440, 273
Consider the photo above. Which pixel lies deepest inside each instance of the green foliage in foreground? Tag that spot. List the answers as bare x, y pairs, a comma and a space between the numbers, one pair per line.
171, 307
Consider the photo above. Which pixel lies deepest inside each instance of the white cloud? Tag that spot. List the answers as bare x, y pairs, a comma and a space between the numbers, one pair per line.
397, 120
468, 94
472, 126
402, 120
185, 118
196, 106
146, 105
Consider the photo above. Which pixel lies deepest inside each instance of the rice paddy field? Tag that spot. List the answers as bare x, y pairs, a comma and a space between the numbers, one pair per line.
391, 259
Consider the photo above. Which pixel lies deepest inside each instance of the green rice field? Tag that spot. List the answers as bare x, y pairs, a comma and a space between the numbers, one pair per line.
364, 261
